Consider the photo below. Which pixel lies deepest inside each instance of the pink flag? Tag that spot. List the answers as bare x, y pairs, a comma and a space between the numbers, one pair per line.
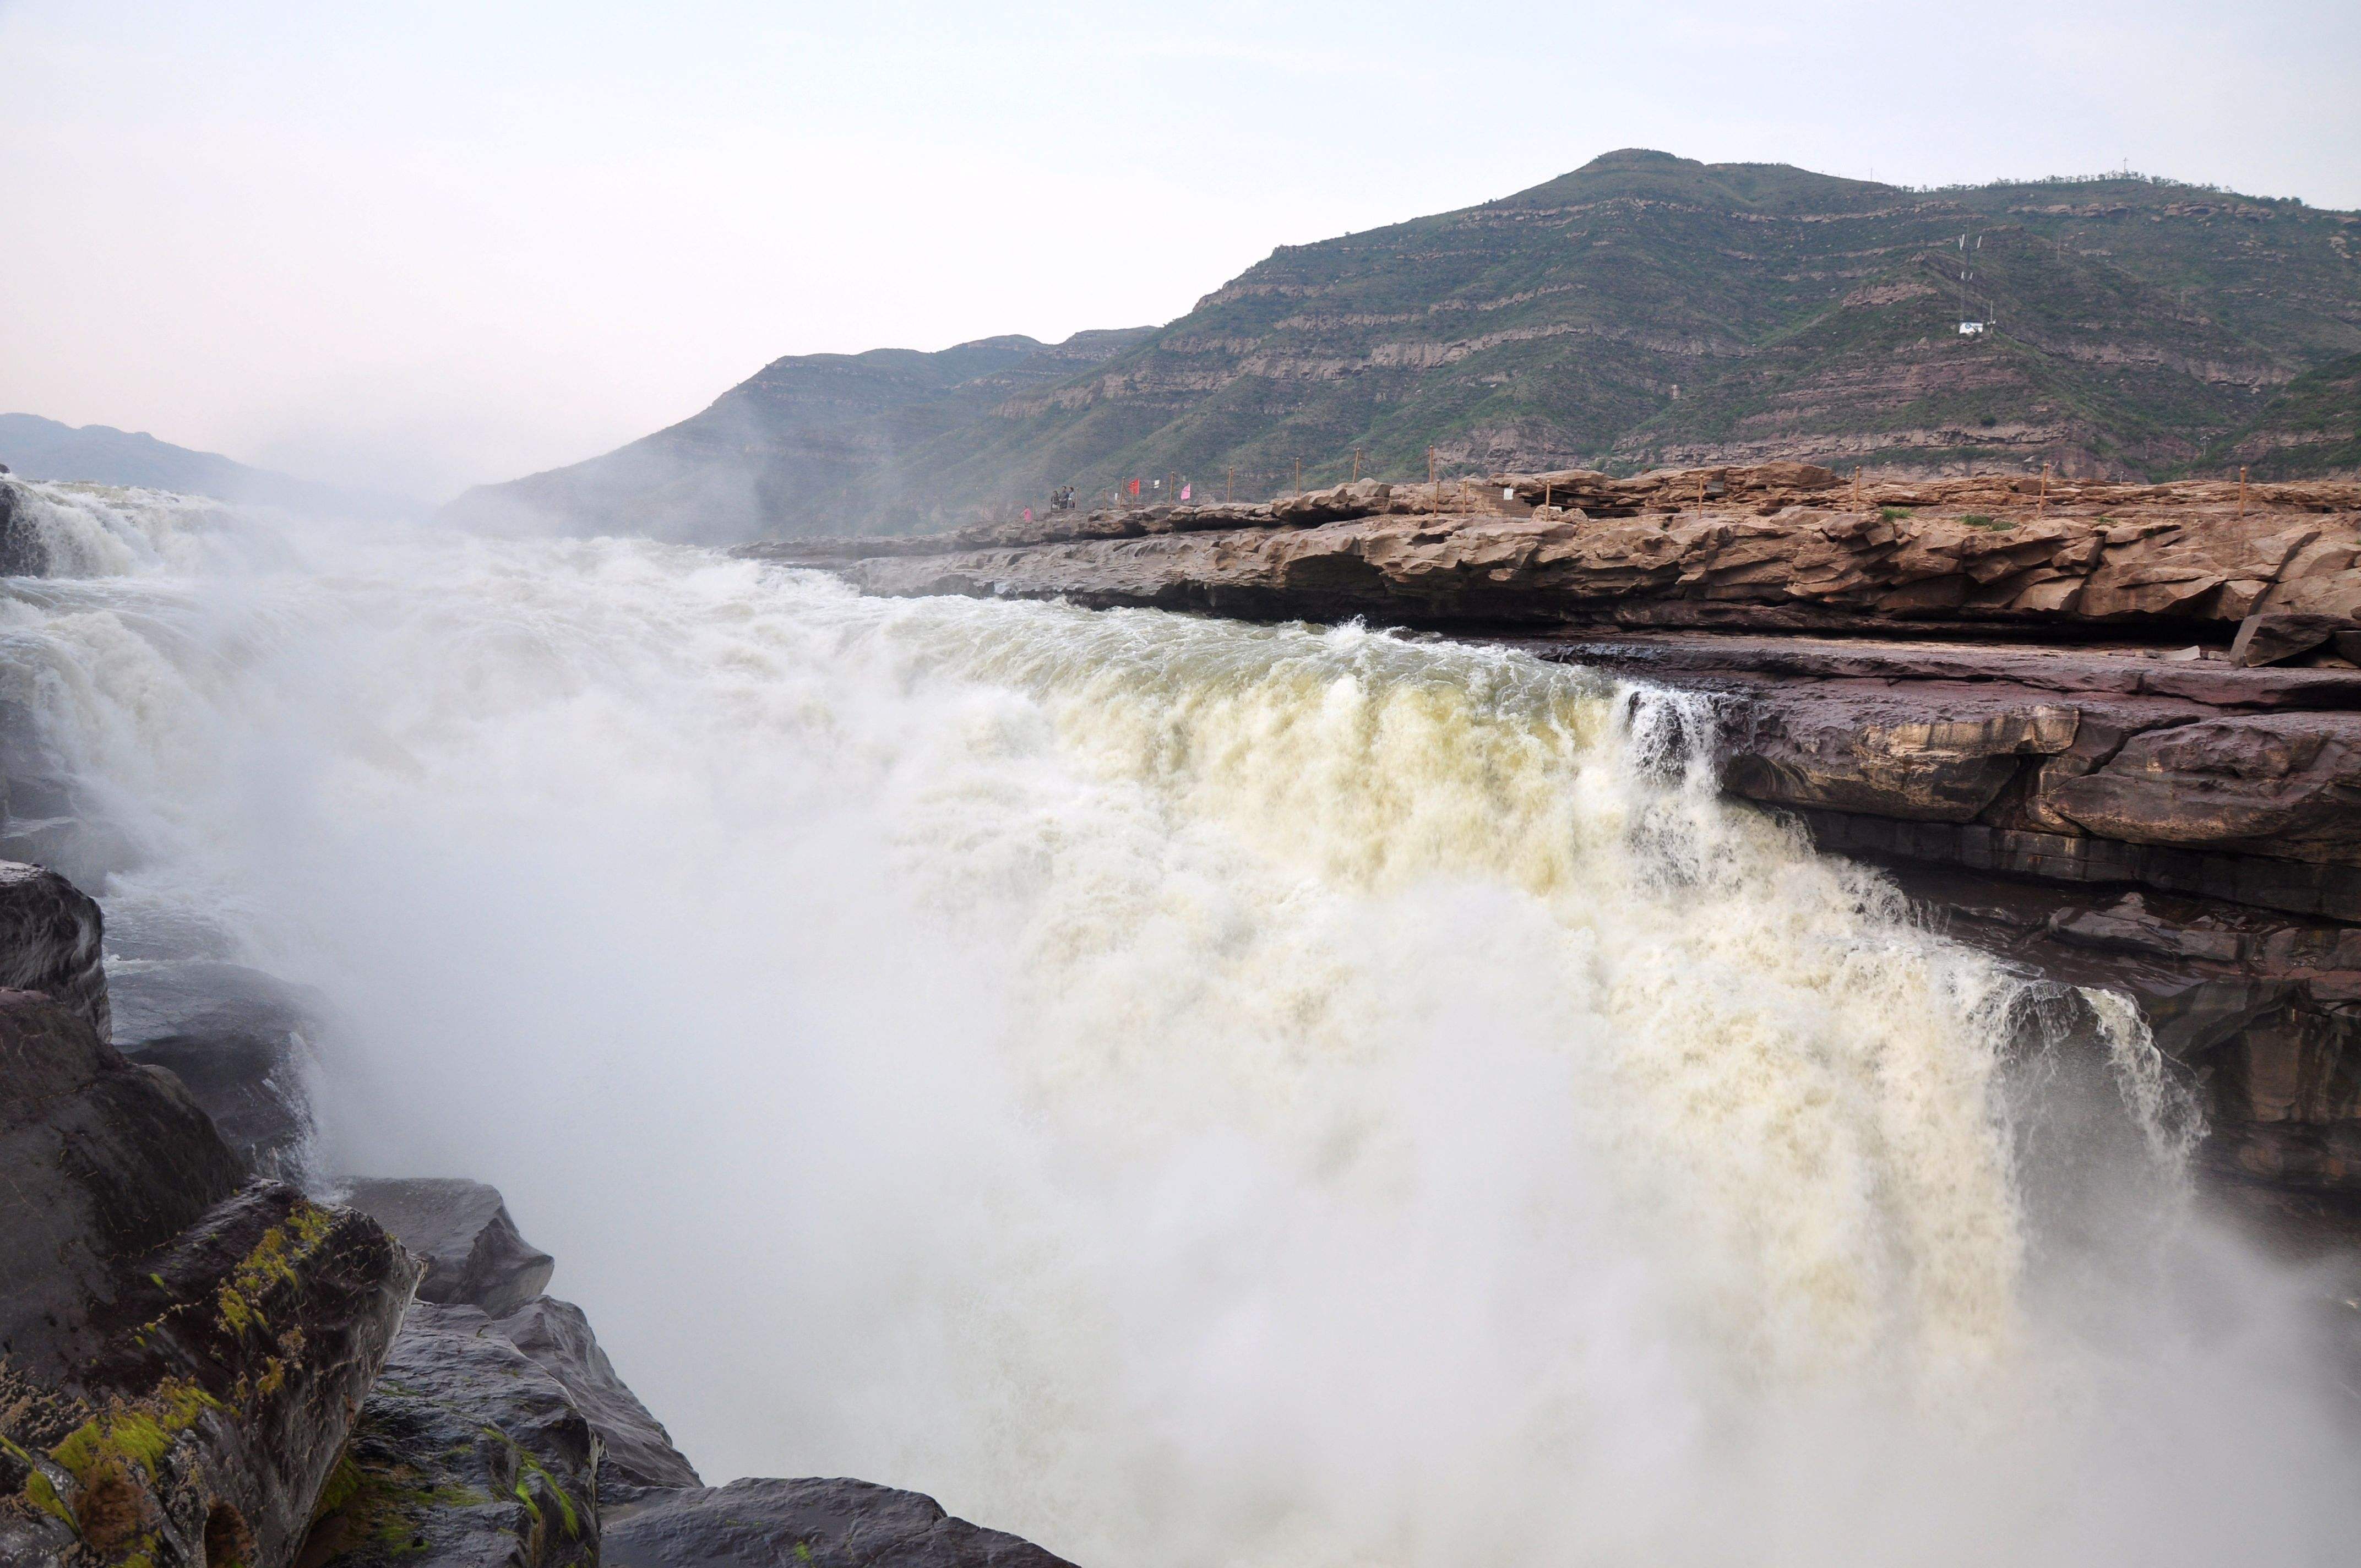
1029, 514
1184, 492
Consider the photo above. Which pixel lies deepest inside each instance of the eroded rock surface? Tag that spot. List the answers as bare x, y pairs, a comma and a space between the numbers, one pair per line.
180, 1356
810, 1523
2282, 784
106, 1160
474, 1253
2263, 1013
467, 1452
638, 1450
240, 1038
1772, 546
52, 936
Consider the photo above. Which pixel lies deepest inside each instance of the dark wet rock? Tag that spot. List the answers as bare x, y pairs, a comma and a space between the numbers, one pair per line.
639, 1452
466, 1452
179, 1356
2293, 886
51, 936
2261, 1012
810, 1523
22, 552
240, 1038
461, 1228
105, 1160
2286, 785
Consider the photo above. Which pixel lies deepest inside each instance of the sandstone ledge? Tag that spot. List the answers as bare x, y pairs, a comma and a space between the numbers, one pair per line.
1779, 547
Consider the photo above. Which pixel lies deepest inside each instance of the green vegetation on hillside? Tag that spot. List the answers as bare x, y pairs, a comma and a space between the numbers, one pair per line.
2312, 427
1642, 310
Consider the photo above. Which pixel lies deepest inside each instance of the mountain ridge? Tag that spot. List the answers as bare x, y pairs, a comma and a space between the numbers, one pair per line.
1642, 310
37, 448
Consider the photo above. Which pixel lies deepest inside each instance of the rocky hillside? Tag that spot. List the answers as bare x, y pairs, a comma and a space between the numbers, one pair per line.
807, 437
1644, 310
2312, 427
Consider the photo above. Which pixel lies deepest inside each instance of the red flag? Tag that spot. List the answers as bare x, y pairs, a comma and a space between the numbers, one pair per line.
1135, 486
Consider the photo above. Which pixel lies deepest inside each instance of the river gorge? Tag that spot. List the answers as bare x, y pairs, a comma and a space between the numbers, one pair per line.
1178, 1089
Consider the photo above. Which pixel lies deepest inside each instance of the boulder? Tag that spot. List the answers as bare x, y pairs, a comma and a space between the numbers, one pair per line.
2274, 636
180, 1356
1358, 497
639, 1454
808, 1523
461, 1228
466, 1452
240, 1038
50, 940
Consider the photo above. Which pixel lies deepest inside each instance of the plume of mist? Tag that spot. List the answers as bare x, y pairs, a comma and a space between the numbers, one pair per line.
1183, 1091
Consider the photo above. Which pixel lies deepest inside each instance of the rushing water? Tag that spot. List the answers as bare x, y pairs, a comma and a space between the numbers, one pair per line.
1188, 1092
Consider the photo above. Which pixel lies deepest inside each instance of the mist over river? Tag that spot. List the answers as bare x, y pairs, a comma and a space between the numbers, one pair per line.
1182, 1092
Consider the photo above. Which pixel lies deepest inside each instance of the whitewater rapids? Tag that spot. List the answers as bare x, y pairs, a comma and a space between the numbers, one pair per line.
1182, 1092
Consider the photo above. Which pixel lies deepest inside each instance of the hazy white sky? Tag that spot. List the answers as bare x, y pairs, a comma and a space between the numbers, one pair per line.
417, 246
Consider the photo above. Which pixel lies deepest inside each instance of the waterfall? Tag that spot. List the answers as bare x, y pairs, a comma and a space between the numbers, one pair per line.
1182, 1091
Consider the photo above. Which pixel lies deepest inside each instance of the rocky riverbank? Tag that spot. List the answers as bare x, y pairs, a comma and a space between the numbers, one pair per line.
202, 1363
2111, 730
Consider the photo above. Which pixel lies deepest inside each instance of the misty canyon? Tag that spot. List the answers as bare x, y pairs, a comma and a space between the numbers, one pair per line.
1129, 1075
1656, 908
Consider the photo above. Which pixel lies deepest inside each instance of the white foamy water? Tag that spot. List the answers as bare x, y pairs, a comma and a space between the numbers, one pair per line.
1184, 1091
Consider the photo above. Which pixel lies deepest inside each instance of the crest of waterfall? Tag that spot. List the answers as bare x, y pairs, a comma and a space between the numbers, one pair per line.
1179, 1090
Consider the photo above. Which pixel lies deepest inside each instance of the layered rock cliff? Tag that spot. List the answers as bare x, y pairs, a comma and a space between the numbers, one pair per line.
1779, 546
2133, 709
